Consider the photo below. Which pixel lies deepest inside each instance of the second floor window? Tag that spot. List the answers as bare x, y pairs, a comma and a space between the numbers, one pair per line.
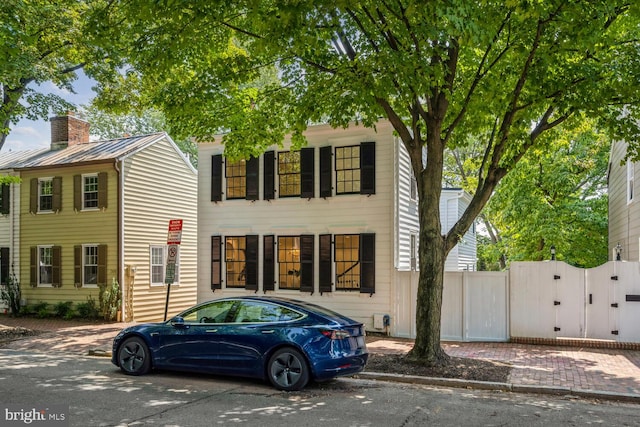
236, 174
348, 169
289, 173
90, 191
45, 194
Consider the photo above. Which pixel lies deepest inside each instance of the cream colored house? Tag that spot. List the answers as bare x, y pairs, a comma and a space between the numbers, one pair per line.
335, 223
92, 212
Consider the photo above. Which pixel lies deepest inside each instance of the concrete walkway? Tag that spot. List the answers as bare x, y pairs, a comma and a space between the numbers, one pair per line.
582, 371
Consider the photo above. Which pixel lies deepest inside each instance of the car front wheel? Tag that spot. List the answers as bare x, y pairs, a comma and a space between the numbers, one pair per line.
288, 370
134, 357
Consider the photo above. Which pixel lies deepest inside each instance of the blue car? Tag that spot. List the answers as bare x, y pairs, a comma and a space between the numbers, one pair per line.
286, 341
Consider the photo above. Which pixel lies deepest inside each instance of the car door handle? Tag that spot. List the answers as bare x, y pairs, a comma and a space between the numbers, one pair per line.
270, 331
211, 330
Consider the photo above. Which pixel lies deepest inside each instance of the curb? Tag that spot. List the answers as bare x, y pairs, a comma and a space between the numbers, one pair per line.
476, 385
507, 387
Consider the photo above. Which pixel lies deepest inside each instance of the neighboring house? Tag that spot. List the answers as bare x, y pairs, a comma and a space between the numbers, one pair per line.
624, 205
335, 223
464, 256
93, 212
10, 216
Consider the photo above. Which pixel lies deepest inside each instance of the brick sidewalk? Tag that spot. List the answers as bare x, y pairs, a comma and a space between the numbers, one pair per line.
575, 368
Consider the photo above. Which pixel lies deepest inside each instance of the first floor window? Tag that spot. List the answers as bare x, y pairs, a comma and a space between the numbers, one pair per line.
90, 265
236, 265
289, 262
158, 268
347, 256
45, 265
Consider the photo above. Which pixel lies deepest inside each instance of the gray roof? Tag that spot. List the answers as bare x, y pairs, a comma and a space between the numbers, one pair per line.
89, 152
10, 159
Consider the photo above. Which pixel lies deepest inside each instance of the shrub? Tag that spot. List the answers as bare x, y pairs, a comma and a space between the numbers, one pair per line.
88, 309
10, 294
109, 298
41, 310
63, 308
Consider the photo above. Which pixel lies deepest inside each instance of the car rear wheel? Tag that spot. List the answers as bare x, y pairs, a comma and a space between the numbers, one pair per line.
134, 357
288, 370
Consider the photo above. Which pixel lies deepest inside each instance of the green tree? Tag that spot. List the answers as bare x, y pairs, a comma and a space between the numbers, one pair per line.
106, 125
556, 197
44, 41
442, 72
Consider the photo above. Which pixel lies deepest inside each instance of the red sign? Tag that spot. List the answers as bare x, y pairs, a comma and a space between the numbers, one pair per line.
175, 232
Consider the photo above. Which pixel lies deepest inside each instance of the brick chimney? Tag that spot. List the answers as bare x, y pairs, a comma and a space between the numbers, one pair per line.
68, 130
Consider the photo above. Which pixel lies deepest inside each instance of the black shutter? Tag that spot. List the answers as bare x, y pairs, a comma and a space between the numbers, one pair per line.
251, 263
77, 192
56, 198
102, 265
6, 194
4, 266
368, 263
33, 197
307, 171
368, 168
325, 171
251, 183
216, 178
103, 185
269, 175
324, 263
216, 262
77, 266
33, 265
268, 264
306, 263
56, 267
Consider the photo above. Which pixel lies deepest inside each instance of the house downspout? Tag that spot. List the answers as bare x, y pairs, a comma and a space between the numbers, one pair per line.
120, 261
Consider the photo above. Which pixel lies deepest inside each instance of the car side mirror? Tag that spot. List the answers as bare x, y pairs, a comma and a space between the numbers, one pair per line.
177, 322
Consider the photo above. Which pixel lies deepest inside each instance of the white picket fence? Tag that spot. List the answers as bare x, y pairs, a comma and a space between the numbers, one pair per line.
532, 300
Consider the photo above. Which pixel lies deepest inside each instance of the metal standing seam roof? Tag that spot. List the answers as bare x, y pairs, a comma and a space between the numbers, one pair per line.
95, 151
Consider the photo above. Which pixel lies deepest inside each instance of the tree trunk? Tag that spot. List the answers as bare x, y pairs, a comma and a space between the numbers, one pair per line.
432, 251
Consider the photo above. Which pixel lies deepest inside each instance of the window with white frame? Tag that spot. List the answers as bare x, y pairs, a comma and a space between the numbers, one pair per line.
630, 181
90, 265
90, 191
45, 194
158, 265
45, 265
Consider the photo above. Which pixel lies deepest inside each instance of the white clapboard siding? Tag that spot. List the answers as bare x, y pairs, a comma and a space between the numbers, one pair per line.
159, 185
624, 216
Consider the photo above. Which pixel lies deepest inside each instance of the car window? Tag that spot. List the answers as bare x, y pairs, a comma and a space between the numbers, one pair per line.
259, 312
214, 312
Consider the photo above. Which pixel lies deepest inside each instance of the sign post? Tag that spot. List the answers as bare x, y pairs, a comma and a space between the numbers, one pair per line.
174, 237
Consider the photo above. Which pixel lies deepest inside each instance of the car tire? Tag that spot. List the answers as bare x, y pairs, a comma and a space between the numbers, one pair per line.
134, 357
288, 370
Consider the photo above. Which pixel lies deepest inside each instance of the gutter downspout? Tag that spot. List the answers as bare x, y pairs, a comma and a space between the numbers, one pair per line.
120, 260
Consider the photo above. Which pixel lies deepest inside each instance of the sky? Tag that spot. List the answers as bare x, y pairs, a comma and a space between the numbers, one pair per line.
29, 134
